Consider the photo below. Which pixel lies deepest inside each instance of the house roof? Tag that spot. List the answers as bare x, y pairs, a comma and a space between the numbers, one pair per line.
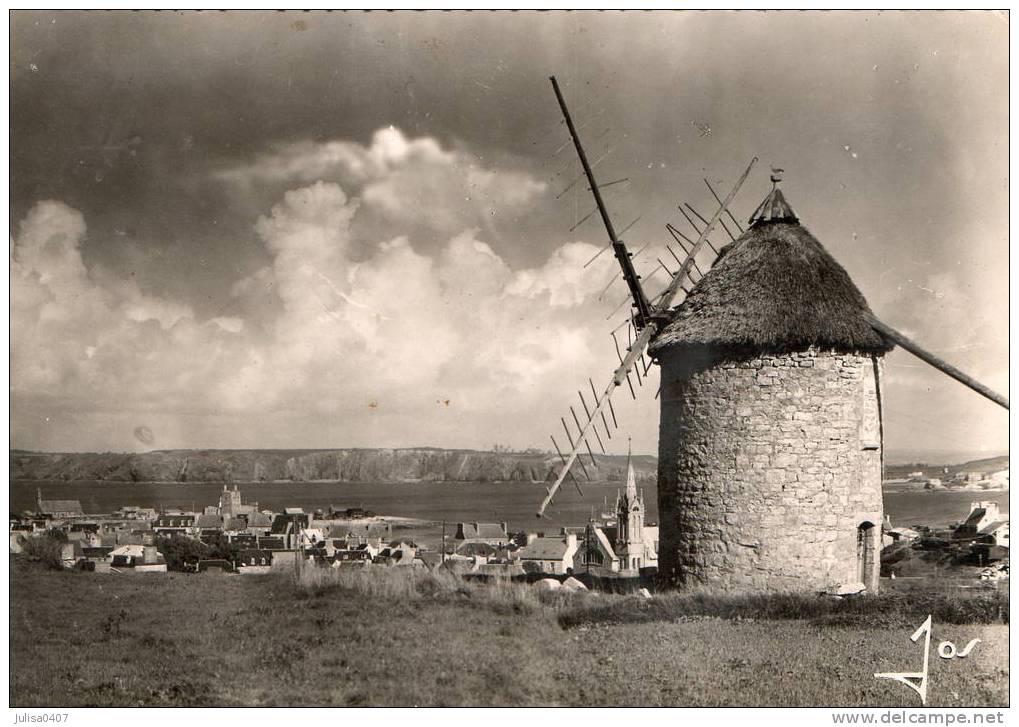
993, 526
501, 569
774, 290
430, 559
164, 520
209, 521
259, 520
482, 549
975, 516
545, 548
235, 523
482, 531
602, 537
52, 506
281, 525
403, 543
272, 543
248, 552
370, 530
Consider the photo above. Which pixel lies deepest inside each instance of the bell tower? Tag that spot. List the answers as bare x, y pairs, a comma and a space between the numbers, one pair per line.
630, 523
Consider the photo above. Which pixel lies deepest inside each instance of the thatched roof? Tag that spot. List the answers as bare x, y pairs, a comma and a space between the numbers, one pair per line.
774, 290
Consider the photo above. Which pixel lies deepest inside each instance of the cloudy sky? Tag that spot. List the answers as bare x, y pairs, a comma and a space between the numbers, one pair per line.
354, 229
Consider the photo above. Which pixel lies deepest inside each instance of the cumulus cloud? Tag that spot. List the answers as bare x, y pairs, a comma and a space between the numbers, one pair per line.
92, 342
386, 316
374, 340
404, 185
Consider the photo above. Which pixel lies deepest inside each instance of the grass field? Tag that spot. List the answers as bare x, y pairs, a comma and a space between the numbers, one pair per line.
175, 640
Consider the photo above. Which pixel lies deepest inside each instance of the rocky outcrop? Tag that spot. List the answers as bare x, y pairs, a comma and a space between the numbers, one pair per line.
340, 465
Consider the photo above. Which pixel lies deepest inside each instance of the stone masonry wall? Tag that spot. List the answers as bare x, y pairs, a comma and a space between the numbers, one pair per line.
767, 468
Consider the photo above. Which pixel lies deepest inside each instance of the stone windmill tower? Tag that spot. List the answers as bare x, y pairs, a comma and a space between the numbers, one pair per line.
770, 447
770, 444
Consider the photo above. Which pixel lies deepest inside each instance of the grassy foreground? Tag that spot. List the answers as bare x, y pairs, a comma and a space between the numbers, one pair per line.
388, 639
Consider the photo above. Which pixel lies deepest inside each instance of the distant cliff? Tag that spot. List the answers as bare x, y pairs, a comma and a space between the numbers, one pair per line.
343, 465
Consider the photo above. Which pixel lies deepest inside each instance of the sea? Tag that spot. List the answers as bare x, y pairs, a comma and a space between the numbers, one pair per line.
514, 503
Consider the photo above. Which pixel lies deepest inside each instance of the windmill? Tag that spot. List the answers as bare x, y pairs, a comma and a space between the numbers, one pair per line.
824, 360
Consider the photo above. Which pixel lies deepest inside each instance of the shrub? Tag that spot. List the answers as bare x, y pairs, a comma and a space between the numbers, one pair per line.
181, 551
871, 610
47, 548
409, 585
219, 547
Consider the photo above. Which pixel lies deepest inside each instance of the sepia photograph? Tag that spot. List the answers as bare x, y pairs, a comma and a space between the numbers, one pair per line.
509, 359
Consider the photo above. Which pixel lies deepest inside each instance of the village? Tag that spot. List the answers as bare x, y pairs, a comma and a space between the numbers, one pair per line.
960, 481
238, 537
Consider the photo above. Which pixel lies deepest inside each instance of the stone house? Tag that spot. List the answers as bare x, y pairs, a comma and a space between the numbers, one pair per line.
986, 523
491, 533
170, 523
137, 559
549, 554
596, 554
359, 556
252, 561
398, 552
258, 523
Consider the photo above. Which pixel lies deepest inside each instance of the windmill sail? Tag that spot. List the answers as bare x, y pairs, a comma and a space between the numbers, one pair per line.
943, 366
647, 319
658, 314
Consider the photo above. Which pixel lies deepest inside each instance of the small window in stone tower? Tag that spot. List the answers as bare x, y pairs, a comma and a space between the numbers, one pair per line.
870, 421
866, 553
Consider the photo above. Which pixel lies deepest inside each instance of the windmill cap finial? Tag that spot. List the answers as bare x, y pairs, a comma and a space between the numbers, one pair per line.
774, 208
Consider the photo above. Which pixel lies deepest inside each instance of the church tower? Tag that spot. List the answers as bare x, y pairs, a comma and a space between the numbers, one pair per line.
230, 501
630, 524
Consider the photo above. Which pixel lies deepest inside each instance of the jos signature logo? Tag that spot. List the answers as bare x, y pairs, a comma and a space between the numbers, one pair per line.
917, 680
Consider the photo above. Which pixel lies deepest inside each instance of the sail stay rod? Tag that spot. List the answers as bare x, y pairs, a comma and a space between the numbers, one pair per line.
941, 365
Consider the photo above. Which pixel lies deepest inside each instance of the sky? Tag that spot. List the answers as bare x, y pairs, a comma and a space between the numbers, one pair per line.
290, 230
